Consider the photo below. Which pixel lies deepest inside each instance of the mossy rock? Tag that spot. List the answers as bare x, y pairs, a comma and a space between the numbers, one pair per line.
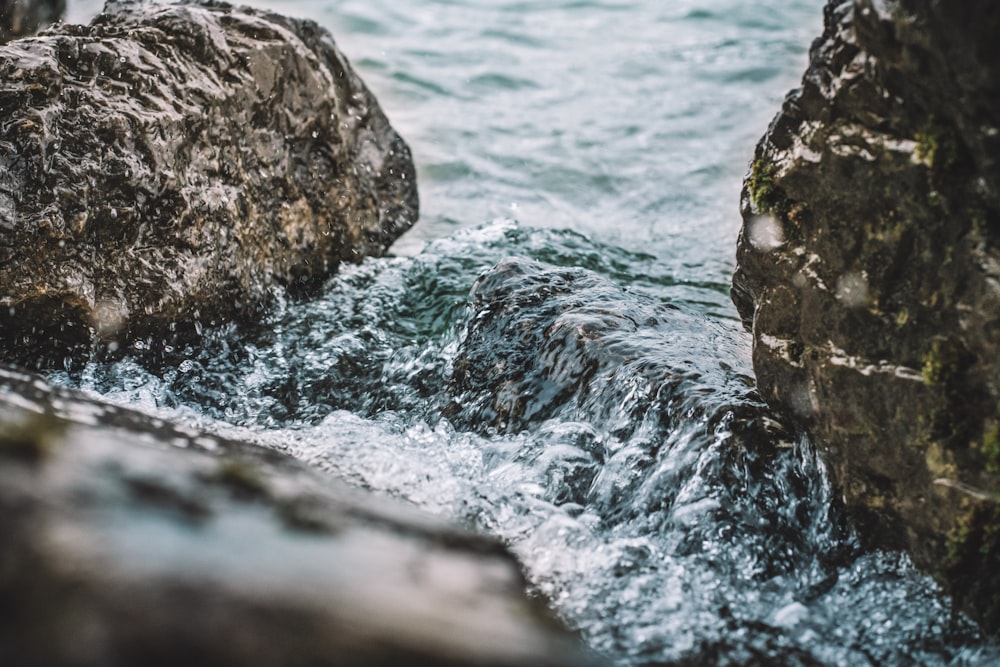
901, 187
972, 567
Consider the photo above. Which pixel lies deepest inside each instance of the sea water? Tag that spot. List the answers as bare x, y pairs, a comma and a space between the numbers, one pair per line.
610, 135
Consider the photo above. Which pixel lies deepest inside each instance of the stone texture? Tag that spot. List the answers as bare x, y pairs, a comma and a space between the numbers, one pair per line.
869, 273
19, 18
174, 165
128, 540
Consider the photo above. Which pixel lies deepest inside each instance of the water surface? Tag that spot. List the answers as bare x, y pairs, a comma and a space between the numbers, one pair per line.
610, 136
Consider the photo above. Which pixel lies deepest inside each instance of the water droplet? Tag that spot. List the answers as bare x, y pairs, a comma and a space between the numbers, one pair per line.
765, 233
790, 615
109, 316
852, 290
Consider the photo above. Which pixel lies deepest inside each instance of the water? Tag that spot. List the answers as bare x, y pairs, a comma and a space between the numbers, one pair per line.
626, 460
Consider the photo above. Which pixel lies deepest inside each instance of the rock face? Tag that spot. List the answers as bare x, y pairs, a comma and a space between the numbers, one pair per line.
23, 17
127, 540
172, 165
869, 272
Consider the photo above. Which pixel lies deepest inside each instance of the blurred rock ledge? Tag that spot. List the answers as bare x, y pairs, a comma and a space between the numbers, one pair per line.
128, 540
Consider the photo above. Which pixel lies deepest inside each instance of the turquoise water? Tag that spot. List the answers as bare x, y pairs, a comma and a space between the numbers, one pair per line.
611, 136
631, 122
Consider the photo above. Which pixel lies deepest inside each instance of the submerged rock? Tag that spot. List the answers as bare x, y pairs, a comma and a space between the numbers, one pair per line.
869, 273
174, 165
128, 540
19, 18
545, 341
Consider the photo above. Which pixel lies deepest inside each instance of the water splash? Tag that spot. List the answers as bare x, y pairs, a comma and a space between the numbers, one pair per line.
656, 502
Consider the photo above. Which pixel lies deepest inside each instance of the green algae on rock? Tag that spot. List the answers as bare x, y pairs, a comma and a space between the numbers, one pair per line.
171, 165
876, 318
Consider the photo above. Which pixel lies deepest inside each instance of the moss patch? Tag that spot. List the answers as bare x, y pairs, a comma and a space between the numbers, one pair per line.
31, 440
927, 147
972, 567
242, 479
991, 449
941, 364
935, 147
760, 184
306, 515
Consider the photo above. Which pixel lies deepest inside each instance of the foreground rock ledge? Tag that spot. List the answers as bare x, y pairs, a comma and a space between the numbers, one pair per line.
172, 165
127, 540
869, 272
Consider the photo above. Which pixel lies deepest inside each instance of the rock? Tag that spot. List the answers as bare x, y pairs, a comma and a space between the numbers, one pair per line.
19, 18
869, 273
129, 540
174, 165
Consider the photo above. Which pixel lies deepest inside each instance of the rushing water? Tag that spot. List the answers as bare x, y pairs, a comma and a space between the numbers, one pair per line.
664, 511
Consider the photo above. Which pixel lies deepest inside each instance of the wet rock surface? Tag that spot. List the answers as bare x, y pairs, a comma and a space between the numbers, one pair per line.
19, 18
129, 540
169, 166
869, 273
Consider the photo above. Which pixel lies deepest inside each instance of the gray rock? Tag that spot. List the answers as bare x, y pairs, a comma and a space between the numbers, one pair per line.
19, 18
129, 540
174, 165
869, 273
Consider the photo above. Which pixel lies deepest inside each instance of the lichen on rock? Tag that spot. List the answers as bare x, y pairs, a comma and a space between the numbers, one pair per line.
875, 320
171, 165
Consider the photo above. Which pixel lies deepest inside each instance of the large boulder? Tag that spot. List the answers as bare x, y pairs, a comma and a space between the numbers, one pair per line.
173, 165
24, 17
869, 273
128, 540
